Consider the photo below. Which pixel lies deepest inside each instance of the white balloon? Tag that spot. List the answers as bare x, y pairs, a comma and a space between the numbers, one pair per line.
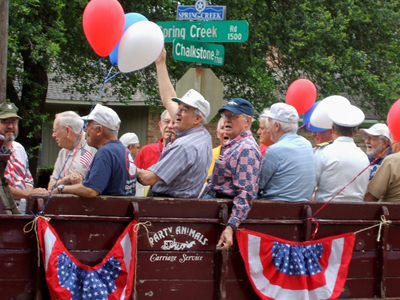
320, 117
140, 46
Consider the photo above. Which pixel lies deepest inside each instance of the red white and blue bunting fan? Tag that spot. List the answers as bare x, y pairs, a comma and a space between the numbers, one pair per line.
282, 270
67, 278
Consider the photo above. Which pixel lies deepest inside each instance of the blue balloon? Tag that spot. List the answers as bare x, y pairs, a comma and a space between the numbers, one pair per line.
307, 117
130, 19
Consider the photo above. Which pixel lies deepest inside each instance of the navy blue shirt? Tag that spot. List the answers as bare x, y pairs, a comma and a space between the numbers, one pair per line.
112, 171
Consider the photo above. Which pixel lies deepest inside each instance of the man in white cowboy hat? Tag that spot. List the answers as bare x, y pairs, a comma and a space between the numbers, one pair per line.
112, 171
17, 172
337, 164
378, 139
131, 141
287, 172
183, 165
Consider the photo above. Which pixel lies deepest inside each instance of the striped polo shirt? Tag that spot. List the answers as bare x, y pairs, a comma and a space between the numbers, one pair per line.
183, 165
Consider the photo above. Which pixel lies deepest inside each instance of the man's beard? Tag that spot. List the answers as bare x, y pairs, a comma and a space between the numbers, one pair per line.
8, 138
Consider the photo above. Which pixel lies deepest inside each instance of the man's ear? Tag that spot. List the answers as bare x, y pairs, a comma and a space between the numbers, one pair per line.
197, 119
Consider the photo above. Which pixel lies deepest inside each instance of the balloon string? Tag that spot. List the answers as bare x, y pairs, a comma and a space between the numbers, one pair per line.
101, 59
326, 203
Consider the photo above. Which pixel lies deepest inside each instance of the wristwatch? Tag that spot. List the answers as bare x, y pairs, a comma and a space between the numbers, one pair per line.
60, 188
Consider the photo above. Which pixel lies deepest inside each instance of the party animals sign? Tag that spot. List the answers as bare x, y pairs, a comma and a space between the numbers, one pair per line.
177, 238
200, 11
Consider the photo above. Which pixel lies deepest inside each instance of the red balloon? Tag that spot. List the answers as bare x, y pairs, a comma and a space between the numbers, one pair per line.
301, 94
103, 24
393, 121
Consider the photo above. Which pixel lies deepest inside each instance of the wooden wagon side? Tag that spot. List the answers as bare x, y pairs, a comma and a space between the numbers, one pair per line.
183, 262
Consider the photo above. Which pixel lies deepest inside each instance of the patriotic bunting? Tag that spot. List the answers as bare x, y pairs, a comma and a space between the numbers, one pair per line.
68, 279
280, 269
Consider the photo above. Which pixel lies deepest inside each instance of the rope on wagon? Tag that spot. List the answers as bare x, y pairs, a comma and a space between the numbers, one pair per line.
381, 223
33, 226
145, 225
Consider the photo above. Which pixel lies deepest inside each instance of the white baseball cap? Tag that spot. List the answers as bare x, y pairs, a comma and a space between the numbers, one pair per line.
105, 116
377, 130
347, 116
129, 138
194, 99
282, 112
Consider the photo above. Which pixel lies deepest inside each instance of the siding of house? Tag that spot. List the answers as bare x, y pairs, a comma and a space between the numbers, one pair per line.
134, 119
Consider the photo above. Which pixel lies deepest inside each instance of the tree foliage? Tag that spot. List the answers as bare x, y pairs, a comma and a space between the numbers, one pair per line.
344, 46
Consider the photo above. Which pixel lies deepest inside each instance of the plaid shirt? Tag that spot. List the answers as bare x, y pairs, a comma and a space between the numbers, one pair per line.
236, 174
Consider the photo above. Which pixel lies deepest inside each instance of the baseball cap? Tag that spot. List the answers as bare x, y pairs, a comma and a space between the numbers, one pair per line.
8, 110
105, 116
238, 106
348, 116
282, 112
377, 130
194, 99
129, 138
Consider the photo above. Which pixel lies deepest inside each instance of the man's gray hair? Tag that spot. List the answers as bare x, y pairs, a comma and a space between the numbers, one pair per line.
286, 126
344, 131
264, 119
220, 123
71, 119
197, 112
163, 115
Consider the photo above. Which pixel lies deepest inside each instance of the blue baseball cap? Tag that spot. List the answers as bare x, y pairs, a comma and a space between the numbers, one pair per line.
238, 106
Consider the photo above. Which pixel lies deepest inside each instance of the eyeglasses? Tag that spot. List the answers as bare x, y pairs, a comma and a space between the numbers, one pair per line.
86, 126
230, 116
8, 122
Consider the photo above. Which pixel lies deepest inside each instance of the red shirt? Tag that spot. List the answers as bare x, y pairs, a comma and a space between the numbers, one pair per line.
262, 149
149, 155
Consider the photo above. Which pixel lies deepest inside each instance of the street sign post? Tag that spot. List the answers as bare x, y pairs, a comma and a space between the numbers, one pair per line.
205, 53
206, 83
206, 31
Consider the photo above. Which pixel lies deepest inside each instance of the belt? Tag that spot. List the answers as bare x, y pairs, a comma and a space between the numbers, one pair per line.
219, 195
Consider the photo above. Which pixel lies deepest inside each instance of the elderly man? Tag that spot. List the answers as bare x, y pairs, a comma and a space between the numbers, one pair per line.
183, 165
378, 139
265, 135
337, 164
237, 168
151, 153
287, 171
131, 141
385, 185
112, 171
17, 172
75, 156
322, 138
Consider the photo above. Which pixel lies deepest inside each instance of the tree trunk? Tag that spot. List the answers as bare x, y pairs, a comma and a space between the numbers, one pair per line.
3, 47
31, 106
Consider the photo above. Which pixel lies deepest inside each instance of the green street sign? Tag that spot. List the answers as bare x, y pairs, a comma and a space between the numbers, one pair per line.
206, 31
204, 53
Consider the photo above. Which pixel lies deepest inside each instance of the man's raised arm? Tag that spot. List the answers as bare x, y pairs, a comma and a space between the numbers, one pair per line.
167, 91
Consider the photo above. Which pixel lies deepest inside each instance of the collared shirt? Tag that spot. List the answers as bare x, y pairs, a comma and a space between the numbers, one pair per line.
183, 164
287, 171
236, 174
149, 155
375, 166
77, 160
336, 165
17, 172
386, 183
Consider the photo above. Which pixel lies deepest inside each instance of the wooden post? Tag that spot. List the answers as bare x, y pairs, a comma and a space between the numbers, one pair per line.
3, 48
